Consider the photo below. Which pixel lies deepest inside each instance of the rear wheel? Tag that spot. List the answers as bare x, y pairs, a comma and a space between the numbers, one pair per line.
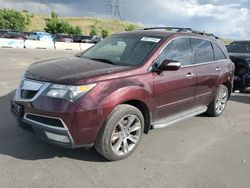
217, 106
121, 133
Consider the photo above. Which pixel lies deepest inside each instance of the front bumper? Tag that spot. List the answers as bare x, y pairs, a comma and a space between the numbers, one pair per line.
59, 136
56, 121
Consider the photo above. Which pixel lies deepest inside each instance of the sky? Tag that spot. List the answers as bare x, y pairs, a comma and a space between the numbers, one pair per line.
225, 18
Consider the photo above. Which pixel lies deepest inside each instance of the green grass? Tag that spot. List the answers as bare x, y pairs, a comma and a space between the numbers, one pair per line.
227, 41
38, 23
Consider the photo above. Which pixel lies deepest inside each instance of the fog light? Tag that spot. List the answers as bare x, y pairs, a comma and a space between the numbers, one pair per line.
58, 138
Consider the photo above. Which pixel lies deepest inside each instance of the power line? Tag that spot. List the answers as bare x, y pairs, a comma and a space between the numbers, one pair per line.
45, 7
114, 8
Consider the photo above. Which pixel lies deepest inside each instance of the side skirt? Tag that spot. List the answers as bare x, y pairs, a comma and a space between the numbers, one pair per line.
178, 117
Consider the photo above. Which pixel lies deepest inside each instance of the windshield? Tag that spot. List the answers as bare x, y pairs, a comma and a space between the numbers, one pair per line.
239, 47
128, 50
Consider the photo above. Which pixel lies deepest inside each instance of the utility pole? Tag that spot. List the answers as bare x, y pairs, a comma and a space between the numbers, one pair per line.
114, 8
45, 7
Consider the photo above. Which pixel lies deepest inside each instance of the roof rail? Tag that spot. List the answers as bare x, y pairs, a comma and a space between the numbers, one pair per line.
182, 29
178, 29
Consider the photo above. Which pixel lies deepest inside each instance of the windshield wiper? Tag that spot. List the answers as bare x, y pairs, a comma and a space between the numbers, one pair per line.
103, 60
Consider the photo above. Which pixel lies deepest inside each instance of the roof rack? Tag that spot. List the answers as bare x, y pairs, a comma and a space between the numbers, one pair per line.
183, 30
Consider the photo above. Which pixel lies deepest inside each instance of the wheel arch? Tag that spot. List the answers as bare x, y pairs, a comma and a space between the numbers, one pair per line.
144, 110
229, 87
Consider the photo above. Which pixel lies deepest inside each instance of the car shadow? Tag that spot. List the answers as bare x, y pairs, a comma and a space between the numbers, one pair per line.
243, 97
20, 144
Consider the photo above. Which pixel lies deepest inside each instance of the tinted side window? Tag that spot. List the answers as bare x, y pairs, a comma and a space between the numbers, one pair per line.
202, 51
178, 49
218, 54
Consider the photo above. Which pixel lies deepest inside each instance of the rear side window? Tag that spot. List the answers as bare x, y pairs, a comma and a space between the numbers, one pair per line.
178, 49
218, 54
202, 51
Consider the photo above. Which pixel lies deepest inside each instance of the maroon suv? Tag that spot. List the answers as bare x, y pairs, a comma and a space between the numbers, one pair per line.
111, 94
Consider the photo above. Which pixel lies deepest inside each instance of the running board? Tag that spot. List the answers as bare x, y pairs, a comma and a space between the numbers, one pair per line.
178, 117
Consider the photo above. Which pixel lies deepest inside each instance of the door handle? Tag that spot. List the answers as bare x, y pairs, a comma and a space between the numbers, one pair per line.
218, 68
189, 75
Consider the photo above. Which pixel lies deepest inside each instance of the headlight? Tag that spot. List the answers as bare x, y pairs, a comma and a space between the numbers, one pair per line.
70, 93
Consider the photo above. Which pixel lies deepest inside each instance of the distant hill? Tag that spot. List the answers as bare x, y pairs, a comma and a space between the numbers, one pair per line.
37, 23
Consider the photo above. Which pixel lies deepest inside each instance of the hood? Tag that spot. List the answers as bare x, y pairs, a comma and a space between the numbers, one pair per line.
70, 70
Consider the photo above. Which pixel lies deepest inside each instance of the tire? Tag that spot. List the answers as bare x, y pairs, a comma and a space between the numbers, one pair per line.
121, 133
217, 106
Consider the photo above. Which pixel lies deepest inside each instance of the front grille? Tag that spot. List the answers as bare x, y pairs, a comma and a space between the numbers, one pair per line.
28, 94
45, 120
29, 90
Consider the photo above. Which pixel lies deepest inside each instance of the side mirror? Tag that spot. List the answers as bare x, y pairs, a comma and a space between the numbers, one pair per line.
170, 65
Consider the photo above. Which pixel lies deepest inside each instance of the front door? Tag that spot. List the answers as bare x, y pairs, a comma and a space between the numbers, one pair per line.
174, 91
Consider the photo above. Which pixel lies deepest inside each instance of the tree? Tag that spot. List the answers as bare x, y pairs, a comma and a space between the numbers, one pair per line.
55, 25
54, 15
78, 30
130, 28
93, 31
105, 33
11, 19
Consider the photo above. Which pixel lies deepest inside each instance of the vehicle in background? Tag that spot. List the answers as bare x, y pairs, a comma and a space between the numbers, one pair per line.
28, 34
62, 38
82, 39
87, 39
41, 36
77, 38
95, 39
32, 37
239, 52
2, 32
14, 35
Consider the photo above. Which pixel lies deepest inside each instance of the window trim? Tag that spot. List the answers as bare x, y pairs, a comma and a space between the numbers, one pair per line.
158, 55
214, 44
191, 65
211, 45
200, 64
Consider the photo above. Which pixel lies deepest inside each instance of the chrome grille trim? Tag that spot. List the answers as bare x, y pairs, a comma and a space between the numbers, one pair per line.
45, 125
31, 85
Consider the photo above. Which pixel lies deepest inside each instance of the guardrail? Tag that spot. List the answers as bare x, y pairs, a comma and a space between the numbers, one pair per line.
36, 44
67, 46
11, 43
46, 44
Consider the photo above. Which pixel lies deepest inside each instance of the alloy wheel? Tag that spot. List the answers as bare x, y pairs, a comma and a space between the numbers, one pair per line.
125, 135
221, 101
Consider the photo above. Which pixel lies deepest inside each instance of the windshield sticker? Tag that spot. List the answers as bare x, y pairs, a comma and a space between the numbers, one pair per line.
150, 39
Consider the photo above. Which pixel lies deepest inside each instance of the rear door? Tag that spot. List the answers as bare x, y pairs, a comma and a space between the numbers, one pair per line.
206, 68
174, 90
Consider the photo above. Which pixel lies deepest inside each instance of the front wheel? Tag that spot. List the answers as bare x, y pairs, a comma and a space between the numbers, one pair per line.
217, 106
121, 133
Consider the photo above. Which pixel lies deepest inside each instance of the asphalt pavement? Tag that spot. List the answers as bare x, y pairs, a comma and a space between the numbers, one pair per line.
199, 152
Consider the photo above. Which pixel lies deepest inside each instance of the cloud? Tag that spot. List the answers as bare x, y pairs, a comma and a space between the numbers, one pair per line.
225, 18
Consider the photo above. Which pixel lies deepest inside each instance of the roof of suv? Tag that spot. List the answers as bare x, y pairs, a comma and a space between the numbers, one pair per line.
165, 33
